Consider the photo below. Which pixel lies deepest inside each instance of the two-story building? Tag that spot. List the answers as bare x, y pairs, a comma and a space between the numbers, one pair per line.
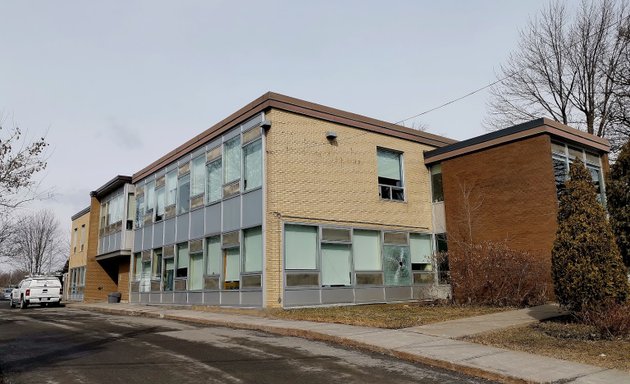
290, 203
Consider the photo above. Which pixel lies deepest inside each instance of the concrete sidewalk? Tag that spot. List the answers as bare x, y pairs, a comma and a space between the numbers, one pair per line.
431, 344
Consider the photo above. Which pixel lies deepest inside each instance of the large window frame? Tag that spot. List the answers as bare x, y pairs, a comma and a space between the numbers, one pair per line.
562, 156
390, 186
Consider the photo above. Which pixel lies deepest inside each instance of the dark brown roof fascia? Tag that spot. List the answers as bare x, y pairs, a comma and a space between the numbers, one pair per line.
111, 185
80, 213
517, 132
275, 100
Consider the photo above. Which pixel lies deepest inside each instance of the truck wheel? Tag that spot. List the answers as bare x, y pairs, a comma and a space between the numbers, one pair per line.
23, 303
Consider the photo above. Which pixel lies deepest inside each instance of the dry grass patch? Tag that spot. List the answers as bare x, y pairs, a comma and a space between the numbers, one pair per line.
563, 340
392, 316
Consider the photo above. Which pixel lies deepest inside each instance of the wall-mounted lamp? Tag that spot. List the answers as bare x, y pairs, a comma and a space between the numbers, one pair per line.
331, 135
266, 124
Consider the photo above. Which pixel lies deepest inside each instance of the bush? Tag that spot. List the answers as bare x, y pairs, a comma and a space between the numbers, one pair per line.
493, 274
586, 265
618, 199
611, 319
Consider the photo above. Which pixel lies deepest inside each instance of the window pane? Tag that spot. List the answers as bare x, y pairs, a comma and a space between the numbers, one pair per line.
335, 264
232, 157
232, 264
159, 203
198, 175
213, 250
396, 264
575, 153
366, 250
171, 187
395, 238
157, 264
558, 149
183, 260
169, 269
253, 249
388, 165
592, 159
437, 191
139, 210
300, 247
196, 271
560, 172
183, 194
253, 165
420, 246
336, 234
214, 181
137, 266
149, 192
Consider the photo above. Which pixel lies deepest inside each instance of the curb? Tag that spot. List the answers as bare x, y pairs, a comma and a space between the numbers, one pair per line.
318, 336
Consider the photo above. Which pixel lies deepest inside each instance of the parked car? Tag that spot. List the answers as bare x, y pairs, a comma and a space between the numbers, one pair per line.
6, 293
42, 290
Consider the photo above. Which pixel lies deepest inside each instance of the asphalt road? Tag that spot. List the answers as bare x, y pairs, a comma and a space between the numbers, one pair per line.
66, 345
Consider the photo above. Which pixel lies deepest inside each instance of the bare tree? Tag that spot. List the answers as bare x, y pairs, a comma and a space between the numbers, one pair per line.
20, 160
38, 245
566, 67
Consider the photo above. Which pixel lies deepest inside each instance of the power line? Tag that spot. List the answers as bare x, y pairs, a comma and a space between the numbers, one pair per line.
514, 73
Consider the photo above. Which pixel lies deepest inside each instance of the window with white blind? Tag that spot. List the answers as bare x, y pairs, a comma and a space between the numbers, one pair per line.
390, 180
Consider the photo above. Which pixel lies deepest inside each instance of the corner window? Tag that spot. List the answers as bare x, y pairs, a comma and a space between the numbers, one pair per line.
437, 193
390, 181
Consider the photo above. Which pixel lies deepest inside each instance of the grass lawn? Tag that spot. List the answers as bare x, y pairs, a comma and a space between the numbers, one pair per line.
562, 339
400, 315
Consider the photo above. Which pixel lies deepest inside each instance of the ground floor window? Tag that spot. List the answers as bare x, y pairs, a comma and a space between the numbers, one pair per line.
334, 257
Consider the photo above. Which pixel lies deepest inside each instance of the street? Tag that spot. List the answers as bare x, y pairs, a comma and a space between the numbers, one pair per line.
66, 345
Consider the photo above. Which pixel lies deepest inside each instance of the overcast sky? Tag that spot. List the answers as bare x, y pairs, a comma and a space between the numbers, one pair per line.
116, 84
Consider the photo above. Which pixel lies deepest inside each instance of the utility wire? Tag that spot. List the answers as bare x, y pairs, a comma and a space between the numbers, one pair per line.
514, 73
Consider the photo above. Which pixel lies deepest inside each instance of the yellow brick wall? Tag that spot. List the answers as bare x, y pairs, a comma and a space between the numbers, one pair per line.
78, 257
309, 179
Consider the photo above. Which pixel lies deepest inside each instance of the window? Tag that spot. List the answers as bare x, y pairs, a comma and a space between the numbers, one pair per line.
131, 210
232, 156
562, 156
160, 195
252, 250
139, 210
195, 280
213, 255
156, 270
74, 240
198, 176
183, 194
183, 259
137, 270
171, 187
300, 247
421, 258
167, 277
441, 245
336, 265
366, 250
252, 154
390, 180
214, 180
232, 268
437, 192
396, 259
149, 192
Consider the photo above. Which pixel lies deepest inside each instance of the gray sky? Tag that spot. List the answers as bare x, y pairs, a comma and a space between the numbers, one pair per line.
116, 84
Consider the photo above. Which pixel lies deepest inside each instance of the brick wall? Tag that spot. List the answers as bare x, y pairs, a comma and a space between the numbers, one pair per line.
123, 278
309, 179
511, 196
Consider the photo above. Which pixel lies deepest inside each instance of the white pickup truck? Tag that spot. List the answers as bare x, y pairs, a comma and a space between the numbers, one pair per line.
42, 290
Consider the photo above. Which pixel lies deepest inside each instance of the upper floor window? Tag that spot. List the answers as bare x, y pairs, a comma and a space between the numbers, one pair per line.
563, 155
252, 159
198, 177
171, 187
390, 180
437, 193
232, 160
183, 194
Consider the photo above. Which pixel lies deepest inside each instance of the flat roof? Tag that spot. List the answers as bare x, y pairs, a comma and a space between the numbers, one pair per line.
518, 132
80, 213
111, 186
271, 100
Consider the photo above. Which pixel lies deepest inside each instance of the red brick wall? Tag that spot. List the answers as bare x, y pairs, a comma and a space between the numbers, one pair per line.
512, 196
